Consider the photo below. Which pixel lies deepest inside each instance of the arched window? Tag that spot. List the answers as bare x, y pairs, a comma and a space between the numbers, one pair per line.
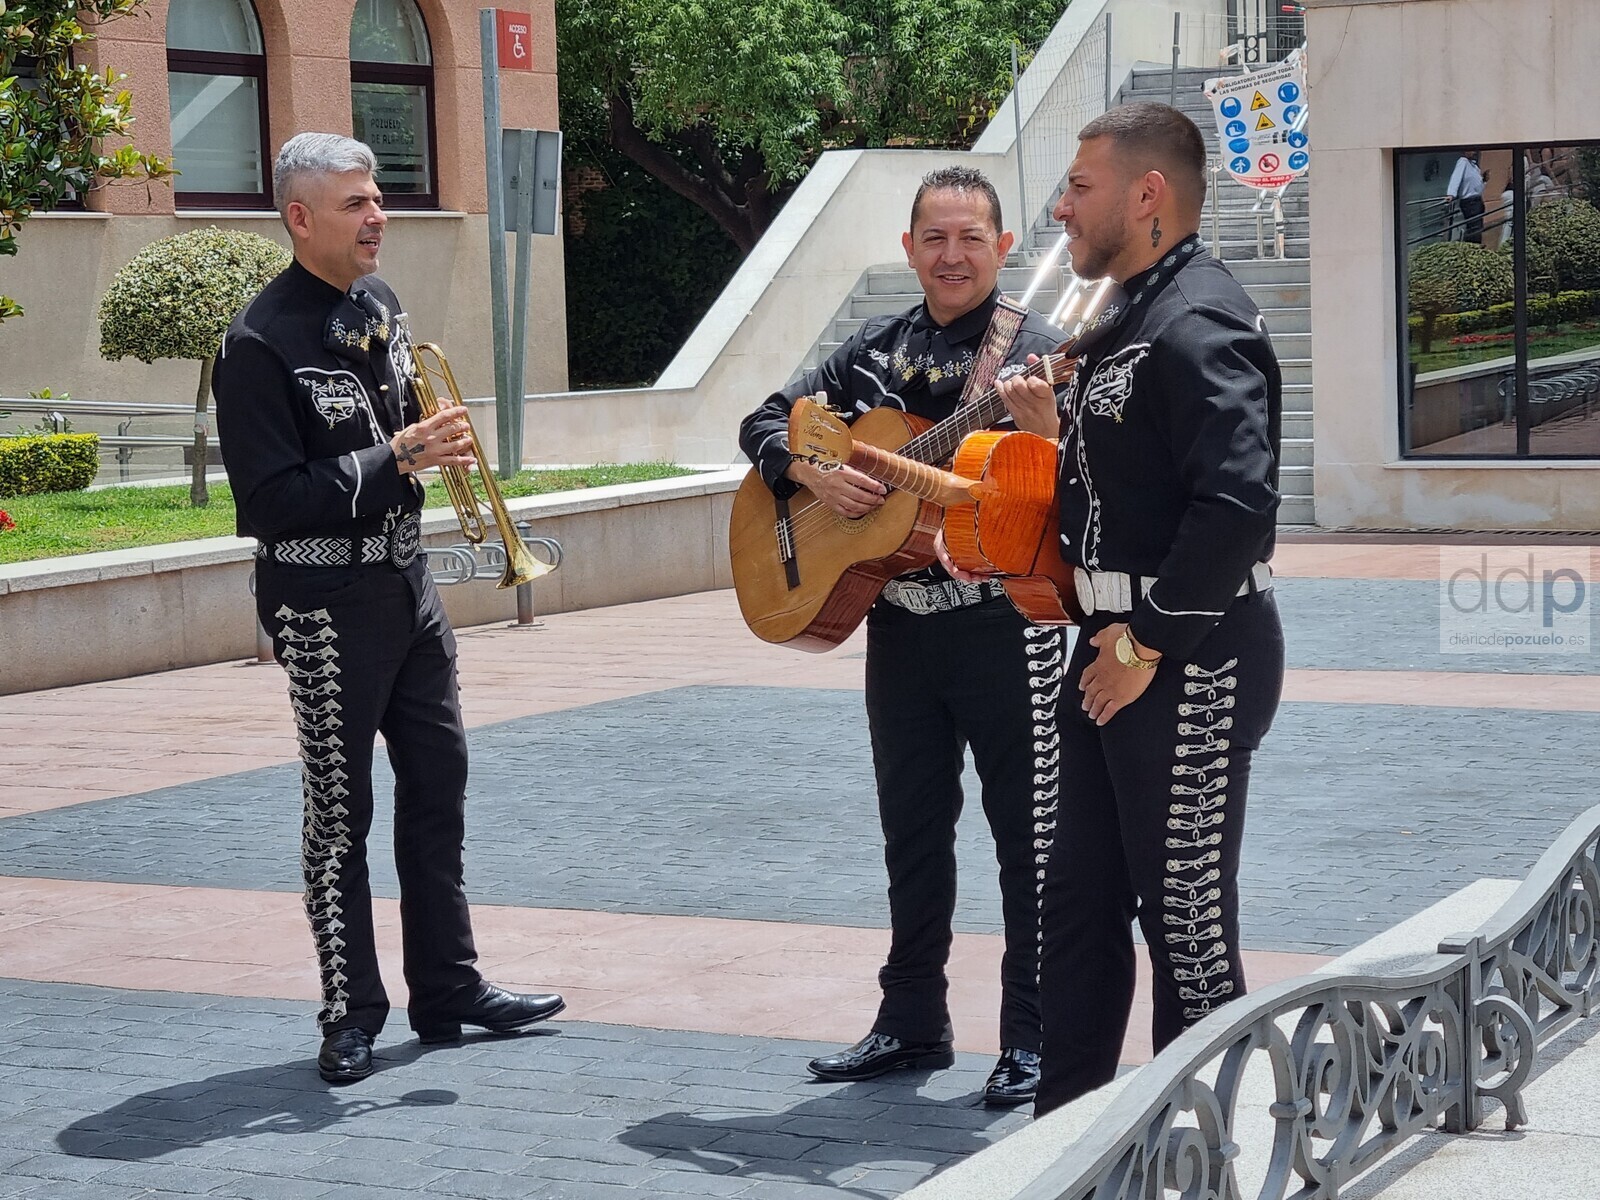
391, 97
217, 80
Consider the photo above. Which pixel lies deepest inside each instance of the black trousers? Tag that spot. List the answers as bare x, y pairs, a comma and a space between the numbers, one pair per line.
936, 683
1152, 824
369, 651
1472, 219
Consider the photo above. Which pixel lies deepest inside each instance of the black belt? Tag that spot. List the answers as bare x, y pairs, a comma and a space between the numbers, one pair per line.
398, 546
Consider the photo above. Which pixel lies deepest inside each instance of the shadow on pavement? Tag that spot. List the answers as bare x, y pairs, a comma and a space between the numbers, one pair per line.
287, 1098
874, 1128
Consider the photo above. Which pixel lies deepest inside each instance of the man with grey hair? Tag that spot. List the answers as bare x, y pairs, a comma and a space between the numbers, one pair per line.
322, 439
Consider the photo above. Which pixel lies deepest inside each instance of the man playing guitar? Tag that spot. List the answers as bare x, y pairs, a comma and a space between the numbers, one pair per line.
949, 663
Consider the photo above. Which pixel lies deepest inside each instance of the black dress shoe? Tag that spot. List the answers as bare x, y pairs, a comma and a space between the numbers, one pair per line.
1014, 1080
346, 1056
494, 1009
877, 1054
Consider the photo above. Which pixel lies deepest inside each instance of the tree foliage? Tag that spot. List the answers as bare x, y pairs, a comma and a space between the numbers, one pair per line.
176, 298
1564, 245
728, 102
53, 114
1448, 277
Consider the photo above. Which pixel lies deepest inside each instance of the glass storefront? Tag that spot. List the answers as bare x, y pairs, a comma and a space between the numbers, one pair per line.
1500, 286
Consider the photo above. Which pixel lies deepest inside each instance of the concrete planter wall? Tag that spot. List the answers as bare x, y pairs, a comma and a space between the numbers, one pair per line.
128, 612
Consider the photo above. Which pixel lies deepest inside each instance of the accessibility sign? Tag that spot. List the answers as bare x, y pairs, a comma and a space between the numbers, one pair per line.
1261, 117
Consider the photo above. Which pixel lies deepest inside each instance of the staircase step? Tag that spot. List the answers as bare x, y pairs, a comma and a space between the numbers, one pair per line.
1279, 295
1296, 452
1272, 271
1295, 370
1296, 510
1296, 424
1295, 481
1290, 347
1283, 319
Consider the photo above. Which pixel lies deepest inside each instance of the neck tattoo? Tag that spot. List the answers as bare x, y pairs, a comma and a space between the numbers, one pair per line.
1155, 233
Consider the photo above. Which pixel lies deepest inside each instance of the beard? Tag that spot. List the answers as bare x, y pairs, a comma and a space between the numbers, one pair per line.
1099, 247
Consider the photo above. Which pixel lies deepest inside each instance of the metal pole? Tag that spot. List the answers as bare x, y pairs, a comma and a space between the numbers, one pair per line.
511, 456
1110, 99
1026, 216
525, 618
1172, 79
497, 230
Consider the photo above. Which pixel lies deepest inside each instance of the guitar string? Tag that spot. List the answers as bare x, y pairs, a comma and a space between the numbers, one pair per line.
817, 516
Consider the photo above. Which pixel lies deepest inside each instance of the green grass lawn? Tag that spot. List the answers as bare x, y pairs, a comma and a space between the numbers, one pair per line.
1542, 343
119, 517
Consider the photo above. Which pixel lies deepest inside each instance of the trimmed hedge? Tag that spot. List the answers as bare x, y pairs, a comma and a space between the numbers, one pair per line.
1564, 244
1542, 311
55, 462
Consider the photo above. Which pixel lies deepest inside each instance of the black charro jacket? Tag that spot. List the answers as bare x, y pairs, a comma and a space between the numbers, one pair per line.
1169, 452
311, 384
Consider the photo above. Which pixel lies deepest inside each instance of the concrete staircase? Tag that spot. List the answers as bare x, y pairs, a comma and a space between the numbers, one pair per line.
1280, 288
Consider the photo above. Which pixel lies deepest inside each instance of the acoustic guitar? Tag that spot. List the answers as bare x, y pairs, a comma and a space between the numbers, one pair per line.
806, 576
999, 502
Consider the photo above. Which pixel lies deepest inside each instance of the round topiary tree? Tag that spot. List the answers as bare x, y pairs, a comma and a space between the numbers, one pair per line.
175, 300
1564, 245
1448, 277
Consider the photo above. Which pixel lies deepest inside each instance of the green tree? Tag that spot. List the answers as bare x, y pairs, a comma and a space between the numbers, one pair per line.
729, 102
1451, 277
53, 114
175, 300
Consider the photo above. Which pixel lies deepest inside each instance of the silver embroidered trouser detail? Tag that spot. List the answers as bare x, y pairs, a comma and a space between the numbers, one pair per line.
1046, 659
937, 685
369, 654
1150, 830
310, 655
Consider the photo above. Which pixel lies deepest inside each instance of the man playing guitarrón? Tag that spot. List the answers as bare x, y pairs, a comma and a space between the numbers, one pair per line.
948, 663
1168, 500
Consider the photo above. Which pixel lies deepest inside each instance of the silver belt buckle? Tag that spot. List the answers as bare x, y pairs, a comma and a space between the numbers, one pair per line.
1083, 584
405, 540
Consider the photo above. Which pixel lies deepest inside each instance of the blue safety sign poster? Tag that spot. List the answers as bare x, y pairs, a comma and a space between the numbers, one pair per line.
1261, 117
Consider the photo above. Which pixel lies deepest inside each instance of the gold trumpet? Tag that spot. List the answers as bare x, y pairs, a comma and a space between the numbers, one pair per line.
521, 566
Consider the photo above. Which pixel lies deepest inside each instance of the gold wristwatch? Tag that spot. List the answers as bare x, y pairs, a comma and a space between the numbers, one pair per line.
1129, 657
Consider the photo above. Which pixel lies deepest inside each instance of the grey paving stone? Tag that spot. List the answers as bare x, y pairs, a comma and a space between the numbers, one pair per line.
1351, 826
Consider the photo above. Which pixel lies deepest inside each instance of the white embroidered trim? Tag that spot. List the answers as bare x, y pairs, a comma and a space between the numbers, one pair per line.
1191, 898
312, 661
1046, 663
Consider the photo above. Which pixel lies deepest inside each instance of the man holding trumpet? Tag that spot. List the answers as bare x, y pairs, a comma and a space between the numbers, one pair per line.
321, 437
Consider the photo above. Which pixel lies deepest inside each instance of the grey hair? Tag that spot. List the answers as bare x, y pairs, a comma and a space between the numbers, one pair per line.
307, 155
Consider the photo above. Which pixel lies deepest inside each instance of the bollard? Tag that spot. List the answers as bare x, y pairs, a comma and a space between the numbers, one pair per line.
525, 618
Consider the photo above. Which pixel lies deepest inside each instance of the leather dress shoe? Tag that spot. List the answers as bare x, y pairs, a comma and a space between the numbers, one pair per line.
877, 1054
1014, 1080
494, 1009
346, 1056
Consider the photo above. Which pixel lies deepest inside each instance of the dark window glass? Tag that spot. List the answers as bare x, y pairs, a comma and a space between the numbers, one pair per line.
1500, 286
391, 98
217, 83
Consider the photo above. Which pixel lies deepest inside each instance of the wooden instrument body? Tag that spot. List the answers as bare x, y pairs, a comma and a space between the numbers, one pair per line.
841, 564
1012, 527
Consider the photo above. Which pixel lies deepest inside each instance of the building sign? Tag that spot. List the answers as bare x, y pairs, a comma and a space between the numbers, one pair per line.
1261, 123
513, 35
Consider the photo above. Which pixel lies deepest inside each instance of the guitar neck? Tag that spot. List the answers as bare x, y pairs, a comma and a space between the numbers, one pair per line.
939, 443
944, 488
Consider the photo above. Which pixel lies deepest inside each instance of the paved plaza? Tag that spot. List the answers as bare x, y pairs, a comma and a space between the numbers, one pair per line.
672, 824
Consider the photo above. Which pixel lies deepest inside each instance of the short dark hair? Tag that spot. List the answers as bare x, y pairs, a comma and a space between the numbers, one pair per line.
1154, 137
958, 179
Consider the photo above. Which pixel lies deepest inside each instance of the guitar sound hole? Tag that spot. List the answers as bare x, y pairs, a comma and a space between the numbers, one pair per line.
855, 525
